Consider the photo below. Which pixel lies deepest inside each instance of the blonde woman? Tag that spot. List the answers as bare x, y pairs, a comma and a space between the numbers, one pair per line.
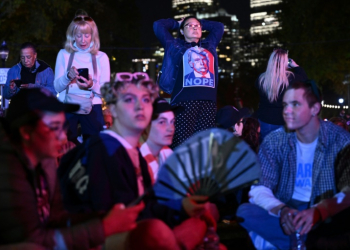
81, 51
272, 84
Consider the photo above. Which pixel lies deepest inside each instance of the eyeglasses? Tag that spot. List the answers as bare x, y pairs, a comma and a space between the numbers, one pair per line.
83, 18
191, 26
127, 76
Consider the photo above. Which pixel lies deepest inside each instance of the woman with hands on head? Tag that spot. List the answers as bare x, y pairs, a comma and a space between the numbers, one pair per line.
81, 51
190, 72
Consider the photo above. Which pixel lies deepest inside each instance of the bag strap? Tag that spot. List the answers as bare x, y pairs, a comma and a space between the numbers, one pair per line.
70, 61
94, 65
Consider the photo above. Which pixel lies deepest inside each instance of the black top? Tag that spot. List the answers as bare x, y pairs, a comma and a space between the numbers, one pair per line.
28, 75
271, 112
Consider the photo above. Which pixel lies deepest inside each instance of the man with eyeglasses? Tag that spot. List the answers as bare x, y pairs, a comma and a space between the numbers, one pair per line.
30, 72
31, 208
190, 72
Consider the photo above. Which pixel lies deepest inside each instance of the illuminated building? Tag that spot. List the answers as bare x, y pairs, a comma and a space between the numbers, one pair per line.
264, 16
183, 8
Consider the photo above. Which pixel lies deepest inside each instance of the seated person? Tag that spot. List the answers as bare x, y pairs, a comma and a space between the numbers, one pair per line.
30, 71
116, 172
340, 122
300, 184
251, 132
161, 131
31, 211
231, 119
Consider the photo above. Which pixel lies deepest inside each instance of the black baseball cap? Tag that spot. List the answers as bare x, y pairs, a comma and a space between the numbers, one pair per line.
35, 99
160, 105
228, 116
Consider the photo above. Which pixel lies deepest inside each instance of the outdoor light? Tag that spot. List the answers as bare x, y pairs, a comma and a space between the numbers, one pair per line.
4, 53
341, 100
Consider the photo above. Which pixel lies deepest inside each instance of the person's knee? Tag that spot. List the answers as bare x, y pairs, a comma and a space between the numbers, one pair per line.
152, 234
243, 211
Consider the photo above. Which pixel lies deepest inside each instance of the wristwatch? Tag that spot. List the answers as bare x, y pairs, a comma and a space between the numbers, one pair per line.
280, 210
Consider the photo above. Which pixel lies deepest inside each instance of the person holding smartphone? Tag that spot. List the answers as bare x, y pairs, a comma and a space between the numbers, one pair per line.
79, 78
30, 72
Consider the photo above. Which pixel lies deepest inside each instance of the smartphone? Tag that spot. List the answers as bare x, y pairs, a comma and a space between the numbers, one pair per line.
84, 72
18, 83
138, 199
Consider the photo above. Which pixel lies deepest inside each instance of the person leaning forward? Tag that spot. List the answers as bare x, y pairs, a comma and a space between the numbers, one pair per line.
30, 72
31, 208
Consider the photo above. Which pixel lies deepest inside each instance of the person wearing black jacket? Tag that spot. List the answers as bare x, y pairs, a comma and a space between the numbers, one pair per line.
271, 85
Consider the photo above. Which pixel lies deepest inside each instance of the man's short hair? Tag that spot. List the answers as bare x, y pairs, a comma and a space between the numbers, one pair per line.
28, 45
312, 93
203, 53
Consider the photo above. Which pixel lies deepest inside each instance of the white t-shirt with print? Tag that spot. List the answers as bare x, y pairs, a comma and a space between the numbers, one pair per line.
303, 180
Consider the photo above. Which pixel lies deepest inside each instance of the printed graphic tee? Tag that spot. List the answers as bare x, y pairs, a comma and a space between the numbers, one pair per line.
303, 180
196, 80
198, 66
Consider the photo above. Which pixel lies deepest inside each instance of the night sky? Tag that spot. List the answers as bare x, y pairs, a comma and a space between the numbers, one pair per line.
153, 10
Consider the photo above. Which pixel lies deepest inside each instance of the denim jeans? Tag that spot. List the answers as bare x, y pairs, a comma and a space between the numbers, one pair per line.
259, 221
266, 128
91, 124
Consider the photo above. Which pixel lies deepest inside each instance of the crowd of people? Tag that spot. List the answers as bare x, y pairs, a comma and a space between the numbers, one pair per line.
63, 191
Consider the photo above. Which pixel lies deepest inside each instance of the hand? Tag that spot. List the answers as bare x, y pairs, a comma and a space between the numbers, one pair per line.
12, 85
211, 215
72, 73
86, 84
120, 219
180, 21
306, 219
25, 86
292, 64
192, 207
286, 220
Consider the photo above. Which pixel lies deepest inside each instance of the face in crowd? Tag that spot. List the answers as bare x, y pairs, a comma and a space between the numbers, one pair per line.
162, 129
297, 113
133, 110
238, 128
83, 37
28, 57
46, 139
192, 30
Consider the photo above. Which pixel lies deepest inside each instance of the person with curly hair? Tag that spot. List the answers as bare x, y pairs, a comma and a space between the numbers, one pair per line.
251, 132
116, 172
